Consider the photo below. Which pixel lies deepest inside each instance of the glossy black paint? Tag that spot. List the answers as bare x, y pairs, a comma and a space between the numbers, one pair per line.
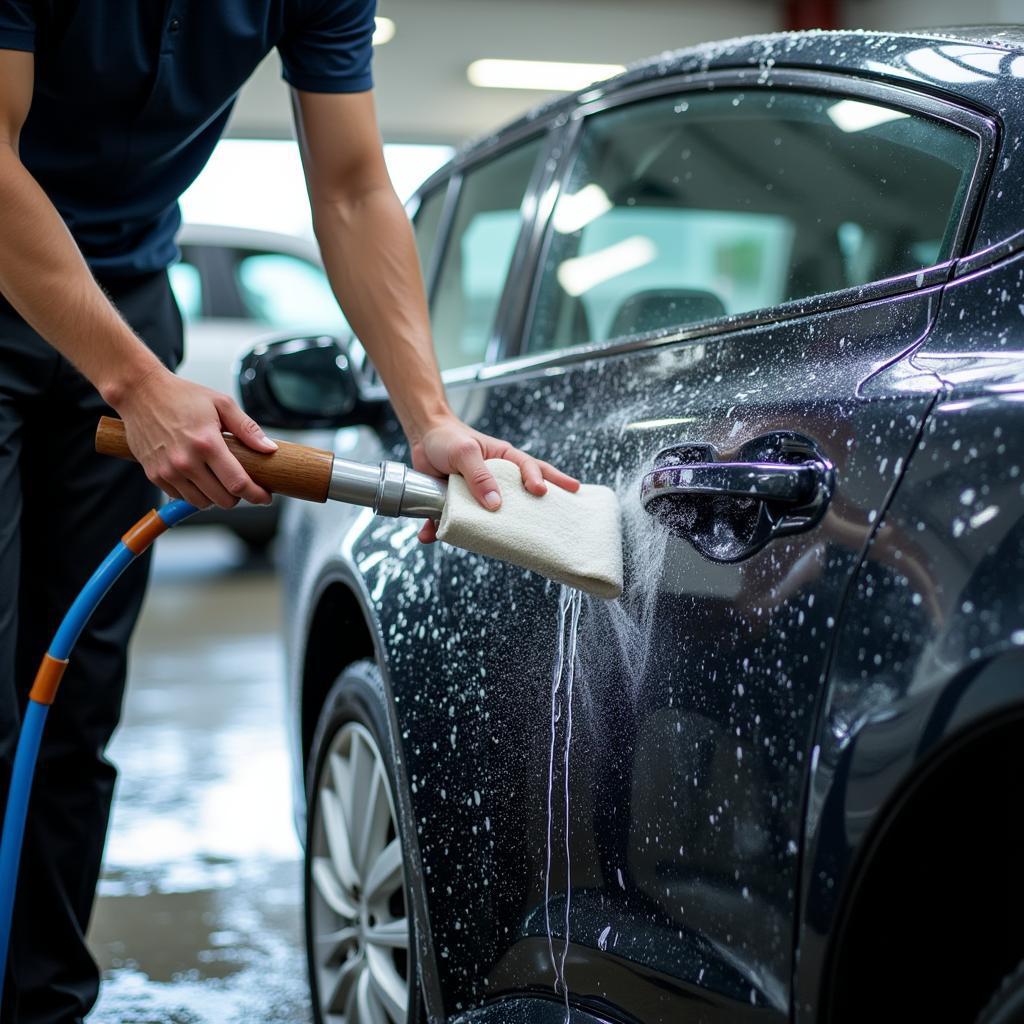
745, 733
931, 643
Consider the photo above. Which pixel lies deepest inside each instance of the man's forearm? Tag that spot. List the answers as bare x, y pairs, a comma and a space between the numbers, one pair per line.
370, 256
45, 278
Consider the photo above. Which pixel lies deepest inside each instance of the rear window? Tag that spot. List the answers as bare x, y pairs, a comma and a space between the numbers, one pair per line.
425, 225
477, 255
697, 206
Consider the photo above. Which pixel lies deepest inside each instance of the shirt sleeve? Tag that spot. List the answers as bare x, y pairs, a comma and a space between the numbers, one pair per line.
329, 47
17, 25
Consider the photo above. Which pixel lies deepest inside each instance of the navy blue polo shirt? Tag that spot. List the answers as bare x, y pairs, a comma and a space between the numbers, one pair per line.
132, 95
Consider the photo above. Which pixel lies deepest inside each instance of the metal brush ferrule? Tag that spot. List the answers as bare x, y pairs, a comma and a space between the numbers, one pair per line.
389, 488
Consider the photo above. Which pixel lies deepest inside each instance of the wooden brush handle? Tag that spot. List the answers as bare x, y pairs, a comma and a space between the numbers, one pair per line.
294, 469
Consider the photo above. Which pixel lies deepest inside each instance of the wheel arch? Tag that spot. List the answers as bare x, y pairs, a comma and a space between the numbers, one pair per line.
341, 601
921, 896
337, 612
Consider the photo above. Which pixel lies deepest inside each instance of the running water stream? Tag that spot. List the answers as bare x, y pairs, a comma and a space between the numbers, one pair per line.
625, 627
570, 604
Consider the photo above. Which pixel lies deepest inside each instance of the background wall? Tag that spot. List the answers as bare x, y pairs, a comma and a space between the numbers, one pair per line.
920, 13
422, 91
423, 94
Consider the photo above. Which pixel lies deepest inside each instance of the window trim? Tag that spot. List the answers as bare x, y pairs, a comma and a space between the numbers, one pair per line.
546, 131
983, 128
450, 186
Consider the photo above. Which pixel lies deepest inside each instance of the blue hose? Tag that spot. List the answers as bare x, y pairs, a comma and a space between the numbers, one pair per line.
124, 553
14, 818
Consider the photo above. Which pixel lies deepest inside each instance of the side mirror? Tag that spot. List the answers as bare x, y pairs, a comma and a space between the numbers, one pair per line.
303, 383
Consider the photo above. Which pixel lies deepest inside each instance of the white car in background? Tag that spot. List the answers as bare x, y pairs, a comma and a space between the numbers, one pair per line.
235, 285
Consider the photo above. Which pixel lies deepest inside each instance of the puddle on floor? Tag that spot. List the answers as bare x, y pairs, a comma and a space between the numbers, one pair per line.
199, 916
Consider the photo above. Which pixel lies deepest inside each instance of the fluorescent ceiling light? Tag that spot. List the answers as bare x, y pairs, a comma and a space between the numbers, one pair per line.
580, 274
852, 116
383, 31
576, 211
547, 75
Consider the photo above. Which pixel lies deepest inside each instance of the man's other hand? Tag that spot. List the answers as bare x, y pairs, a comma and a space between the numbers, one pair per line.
174, 428
452, 447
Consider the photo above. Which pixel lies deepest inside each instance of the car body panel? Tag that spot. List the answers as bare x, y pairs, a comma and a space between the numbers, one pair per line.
932, 637
654, 767
527, 1011
697, 851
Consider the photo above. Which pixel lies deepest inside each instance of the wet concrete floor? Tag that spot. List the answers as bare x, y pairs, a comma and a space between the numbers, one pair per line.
199, 915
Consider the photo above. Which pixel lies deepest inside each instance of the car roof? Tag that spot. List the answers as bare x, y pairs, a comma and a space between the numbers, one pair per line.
982, 65
248, 238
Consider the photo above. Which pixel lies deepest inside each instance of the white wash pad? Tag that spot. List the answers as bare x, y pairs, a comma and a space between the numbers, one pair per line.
571, 538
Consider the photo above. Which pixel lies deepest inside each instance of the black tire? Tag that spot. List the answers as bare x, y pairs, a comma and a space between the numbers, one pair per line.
1007, 1004
357, 699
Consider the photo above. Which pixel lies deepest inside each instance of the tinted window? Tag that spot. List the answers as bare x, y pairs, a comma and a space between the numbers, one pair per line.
688, 208
425, 225
287, 293
477, 256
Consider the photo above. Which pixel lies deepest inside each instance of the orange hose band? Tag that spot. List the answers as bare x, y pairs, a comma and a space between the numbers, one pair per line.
48, 678
144, 532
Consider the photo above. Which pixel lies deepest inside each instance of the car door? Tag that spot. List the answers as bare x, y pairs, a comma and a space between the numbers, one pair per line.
729, 285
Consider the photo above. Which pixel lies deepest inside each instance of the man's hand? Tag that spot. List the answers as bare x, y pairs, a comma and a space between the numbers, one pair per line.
174, 428
452, 447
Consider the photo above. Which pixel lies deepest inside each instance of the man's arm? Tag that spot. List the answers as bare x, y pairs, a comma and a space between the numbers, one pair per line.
174, 427
368, 250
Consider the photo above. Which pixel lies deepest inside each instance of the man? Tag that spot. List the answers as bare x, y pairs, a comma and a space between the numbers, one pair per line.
108, 110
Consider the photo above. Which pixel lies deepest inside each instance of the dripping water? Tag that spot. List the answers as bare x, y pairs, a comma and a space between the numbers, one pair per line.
624, 629
556, 681
570, 604
576, 600
629, 624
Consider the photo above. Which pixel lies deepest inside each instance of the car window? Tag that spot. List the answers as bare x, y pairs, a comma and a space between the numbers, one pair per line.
425, 225
697, 206
477, 255
187, 286
287, 293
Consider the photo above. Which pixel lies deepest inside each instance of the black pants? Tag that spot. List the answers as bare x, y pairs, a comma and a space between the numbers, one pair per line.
62, 507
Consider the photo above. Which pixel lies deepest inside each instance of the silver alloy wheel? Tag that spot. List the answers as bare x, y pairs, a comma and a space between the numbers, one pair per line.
360, 928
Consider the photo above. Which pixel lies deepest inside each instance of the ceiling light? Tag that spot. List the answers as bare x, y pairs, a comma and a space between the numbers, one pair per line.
576, 211
546, 75
383, 31
852, 116
581, 273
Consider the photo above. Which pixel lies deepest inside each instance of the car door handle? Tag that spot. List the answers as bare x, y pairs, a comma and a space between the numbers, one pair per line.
775, 484
760, 481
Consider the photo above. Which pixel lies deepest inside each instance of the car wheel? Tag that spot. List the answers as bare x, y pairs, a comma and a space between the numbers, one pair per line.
1007, 1005
360, 937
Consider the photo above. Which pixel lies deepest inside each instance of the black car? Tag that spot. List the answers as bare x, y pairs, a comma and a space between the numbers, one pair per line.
780, 778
